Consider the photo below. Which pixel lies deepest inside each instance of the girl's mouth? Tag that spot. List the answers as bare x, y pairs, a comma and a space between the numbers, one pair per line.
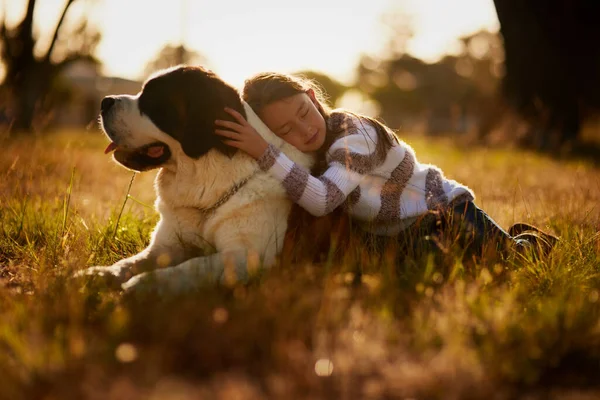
313, 138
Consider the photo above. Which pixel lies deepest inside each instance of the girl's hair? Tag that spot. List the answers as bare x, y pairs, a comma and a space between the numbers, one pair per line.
268, 87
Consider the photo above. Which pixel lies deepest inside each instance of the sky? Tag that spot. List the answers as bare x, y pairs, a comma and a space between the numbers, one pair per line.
242, 37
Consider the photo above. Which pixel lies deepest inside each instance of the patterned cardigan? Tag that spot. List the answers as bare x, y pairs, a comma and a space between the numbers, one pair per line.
385, 192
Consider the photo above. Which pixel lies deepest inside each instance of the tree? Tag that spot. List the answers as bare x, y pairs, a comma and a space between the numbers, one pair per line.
171, 55
450, 95
552, 63
31, 75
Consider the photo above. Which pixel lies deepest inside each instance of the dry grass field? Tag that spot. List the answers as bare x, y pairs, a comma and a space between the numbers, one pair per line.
420, 330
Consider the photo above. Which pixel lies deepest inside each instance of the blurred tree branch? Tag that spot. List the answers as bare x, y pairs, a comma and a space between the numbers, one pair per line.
30, 77
57, 28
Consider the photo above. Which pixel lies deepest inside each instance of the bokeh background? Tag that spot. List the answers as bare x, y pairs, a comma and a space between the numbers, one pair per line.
501, 71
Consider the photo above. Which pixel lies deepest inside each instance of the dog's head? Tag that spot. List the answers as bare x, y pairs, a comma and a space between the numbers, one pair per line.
176, 108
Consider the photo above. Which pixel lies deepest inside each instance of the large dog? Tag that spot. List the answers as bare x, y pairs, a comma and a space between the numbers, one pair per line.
213, 200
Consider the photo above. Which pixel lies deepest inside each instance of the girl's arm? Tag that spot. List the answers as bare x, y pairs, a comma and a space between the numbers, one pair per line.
317, 195
350, 159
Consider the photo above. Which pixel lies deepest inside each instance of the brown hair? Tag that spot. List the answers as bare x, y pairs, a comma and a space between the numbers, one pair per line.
268, 87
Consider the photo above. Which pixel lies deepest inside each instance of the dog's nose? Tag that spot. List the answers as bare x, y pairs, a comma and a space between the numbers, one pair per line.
107, 103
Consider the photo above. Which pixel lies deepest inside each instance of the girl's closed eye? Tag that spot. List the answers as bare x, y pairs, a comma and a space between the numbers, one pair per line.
285, 129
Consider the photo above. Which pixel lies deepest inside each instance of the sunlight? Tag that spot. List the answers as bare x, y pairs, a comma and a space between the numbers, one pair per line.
438, 23
240, 39
429, 228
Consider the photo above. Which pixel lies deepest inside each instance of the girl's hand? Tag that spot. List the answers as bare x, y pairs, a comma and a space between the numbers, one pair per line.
242, 135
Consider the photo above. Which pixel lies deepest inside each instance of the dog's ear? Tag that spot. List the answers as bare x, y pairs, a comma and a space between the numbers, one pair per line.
185, 102
206, 97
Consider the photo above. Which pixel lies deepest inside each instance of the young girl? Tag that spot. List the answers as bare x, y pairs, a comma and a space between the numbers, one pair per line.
374, 174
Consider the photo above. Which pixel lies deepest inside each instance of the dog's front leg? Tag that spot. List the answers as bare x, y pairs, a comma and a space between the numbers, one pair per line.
166, 248
229, 267
121, 271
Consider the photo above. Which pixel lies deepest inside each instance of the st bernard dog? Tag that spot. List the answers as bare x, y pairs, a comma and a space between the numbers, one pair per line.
213, 200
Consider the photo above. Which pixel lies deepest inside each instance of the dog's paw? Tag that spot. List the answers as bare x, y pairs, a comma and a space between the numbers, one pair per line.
113, 276
146, 283
161, 282
139, 283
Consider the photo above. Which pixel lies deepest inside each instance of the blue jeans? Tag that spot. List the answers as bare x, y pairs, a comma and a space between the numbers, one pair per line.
477, 231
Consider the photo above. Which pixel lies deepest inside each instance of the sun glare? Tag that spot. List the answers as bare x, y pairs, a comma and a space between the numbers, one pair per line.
240, 38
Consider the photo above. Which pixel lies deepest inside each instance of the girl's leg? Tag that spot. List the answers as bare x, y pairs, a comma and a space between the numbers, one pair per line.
477, 230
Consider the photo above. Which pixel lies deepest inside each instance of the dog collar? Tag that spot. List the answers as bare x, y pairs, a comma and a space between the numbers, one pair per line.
229, 194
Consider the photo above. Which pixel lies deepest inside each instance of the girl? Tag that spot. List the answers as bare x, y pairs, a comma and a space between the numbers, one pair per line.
368, 169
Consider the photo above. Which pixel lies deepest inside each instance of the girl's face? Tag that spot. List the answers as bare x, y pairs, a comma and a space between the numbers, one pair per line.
297, 120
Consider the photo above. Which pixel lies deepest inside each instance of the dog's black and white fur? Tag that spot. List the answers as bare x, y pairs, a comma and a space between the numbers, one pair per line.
212, 199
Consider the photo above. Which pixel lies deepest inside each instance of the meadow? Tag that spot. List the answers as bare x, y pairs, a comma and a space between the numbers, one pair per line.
422, 329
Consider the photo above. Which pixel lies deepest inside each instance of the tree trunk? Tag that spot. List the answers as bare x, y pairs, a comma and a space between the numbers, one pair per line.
29, 79
552, 63
29, 93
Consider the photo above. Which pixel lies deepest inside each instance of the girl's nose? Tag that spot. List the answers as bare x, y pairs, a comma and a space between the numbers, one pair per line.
311, 130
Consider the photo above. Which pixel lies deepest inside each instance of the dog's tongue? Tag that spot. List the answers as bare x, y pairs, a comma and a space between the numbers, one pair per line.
155, 151
112, 146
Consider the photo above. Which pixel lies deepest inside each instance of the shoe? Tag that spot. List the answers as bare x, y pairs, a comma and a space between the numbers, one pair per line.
536, 242
522, 227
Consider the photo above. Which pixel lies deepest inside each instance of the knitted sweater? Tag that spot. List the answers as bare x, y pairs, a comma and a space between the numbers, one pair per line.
387, 193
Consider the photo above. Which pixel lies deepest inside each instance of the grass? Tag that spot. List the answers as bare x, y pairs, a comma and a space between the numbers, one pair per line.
429, 328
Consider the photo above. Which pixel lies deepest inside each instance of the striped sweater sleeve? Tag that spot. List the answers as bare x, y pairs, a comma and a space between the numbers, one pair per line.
350, 159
